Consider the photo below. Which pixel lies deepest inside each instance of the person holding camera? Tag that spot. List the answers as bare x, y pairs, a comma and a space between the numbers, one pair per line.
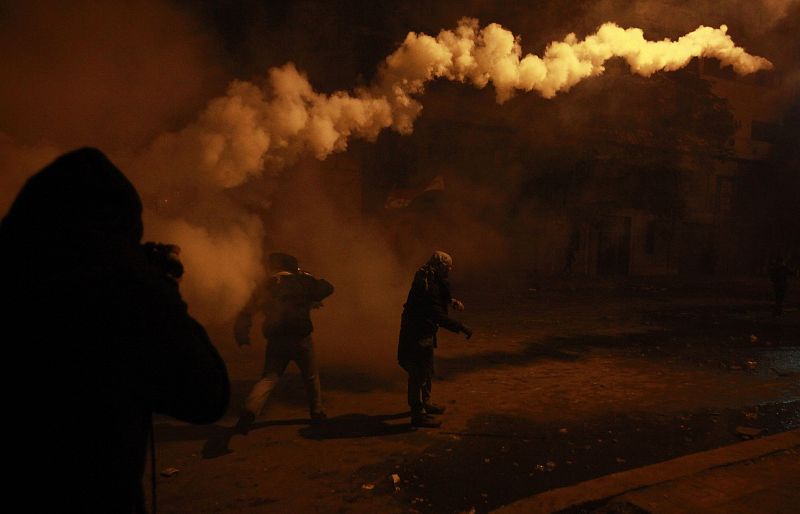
100, 337
425, 310
286, 301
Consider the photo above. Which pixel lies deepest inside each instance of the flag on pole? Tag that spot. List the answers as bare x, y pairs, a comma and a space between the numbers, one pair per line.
400, 198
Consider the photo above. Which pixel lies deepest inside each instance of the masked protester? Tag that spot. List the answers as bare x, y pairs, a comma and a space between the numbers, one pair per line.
99, 337
286, 301
426, 310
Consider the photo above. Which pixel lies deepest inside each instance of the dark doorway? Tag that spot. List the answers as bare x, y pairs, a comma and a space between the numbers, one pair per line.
698, 254
614, 243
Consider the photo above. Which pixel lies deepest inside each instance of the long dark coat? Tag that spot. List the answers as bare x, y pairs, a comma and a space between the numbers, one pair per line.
425, 310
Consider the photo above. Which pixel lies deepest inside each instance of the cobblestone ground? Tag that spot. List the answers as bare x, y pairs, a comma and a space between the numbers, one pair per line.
561, 383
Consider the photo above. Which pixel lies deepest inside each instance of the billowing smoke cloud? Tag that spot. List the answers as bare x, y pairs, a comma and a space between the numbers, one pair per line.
258, 129
254, 128
223, 264
494, 54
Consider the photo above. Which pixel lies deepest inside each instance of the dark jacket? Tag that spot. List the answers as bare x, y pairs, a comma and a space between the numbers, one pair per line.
99, 338
286, 302
425, 310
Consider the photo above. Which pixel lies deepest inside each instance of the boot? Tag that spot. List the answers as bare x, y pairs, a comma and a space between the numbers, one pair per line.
432, 408
318, 418
246, 419
425, 421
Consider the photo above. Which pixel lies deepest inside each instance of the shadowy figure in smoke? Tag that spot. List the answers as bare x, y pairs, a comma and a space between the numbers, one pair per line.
425, 310
101, 338
779, 274
286, 302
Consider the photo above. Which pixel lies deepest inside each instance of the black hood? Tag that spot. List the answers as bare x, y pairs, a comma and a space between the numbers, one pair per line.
78, 204
283, 262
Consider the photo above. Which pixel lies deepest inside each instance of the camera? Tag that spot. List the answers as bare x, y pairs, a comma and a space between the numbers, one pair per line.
165, 257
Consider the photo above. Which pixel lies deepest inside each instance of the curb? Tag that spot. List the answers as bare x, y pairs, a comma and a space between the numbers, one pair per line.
609, 486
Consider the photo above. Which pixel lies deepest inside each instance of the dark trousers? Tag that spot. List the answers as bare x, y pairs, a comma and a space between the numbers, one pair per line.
280, 351
420, 373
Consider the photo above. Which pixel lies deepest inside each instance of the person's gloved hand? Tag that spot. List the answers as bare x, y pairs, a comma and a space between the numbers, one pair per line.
467, 332
457, 304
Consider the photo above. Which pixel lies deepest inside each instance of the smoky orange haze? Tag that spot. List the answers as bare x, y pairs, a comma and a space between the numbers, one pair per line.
229, 173
109, 74
152, 73
259, 130
114, 75
358, 325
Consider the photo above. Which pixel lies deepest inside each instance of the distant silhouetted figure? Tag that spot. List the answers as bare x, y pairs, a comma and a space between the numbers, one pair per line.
286, 301
99, 338
425, 310
572, 250
779, 273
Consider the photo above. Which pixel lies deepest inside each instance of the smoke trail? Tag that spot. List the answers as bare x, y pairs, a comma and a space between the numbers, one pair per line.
259, 128
255, 128
494, 54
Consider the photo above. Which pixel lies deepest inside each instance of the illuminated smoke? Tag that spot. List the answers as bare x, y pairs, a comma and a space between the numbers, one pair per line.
255, 128
258, 128
493, 54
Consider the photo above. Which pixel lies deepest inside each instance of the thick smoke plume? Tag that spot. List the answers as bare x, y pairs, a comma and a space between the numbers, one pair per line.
259, 128
255, 127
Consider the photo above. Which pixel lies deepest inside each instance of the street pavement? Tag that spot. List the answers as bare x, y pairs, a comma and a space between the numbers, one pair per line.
761, 476
562, 383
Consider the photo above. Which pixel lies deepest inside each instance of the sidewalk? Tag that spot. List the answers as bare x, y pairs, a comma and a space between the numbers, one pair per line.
759, 476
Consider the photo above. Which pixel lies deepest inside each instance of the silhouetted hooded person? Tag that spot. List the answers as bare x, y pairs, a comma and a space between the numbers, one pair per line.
286, 300
425, 310
779, 274
100, 337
